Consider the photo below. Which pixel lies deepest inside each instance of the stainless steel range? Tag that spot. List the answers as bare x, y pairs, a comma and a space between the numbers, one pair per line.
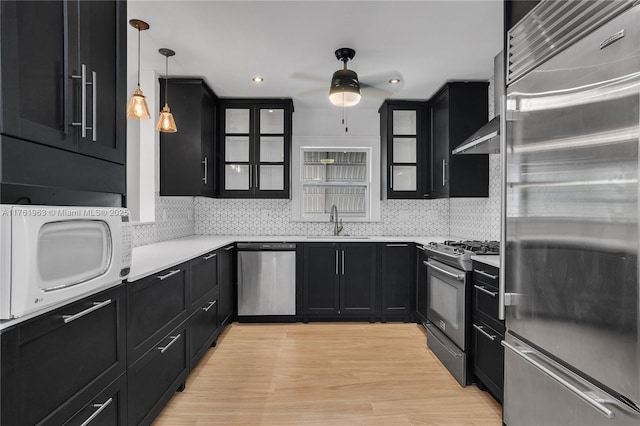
449, 301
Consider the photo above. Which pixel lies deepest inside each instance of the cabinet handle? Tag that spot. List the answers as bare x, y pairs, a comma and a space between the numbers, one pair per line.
211, 256
391, 176
100, 409
483, 273
206, 166
397, 245
228, 248
170, 274
480, 328
210, 306
342, 262
484, 290
444, 178
96, 305
94, 105
337, 262
83, 100
162, 349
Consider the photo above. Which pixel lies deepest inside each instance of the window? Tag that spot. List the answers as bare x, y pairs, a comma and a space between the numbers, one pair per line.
335, 176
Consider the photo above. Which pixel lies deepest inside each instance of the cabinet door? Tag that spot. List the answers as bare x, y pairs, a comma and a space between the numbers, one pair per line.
358, 279
51, 360
203, 278
422, 298
226, 280
440, 146
157, 376
207, 160
488, 357
404, 154
40, 99
237, 171
203, 328
321, 280
397, 275
103, 52
272, 151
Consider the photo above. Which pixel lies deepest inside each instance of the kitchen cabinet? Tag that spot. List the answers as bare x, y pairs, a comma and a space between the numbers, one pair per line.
157, 375
405, 149
255, 148
457, 110
487, 330
187, 157
54, 364
398, 281
339, 280
203, 278
422, 295
109, 408
203, 328
227, 284
67, 130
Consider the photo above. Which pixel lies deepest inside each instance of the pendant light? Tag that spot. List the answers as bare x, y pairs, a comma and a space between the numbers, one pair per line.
345, 87
137, 106
166, 123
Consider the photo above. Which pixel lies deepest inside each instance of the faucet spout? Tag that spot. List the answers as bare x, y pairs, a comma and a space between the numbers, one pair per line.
333, 217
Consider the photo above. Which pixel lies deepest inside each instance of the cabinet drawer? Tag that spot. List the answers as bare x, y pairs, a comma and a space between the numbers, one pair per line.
155, 377
49, 361
203, 328
156, 305
488, 357
106, 409
486, 273
485, 299
203, 278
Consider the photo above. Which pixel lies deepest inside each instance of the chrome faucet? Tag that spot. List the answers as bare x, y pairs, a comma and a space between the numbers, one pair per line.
333, 217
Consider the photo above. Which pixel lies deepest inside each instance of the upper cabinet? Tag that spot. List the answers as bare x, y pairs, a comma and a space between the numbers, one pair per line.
405, 154
187, 157
457, 110
64, 75
255, 148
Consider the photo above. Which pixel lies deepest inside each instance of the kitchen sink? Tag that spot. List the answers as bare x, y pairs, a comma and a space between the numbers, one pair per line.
336, 237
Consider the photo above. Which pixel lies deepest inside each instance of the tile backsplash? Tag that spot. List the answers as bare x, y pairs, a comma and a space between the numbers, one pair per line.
174, 219
273, 217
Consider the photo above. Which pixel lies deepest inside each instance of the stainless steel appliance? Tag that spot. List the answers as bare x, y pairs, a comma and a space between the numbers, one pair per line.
266, 280
448, 302
572, 347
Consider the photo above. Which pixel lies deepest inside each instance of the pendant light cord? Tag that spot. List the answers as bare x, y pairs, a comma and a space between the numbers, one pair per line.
166, 80
139, 55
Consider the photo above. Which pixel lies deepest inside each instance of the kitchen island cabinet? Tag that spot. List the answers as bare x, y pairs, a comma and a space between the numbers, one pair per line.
339, 281
55, 364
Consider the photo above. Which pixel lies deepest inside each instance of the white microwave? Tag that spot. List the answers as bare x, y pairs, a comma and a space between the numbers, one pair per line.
50, 255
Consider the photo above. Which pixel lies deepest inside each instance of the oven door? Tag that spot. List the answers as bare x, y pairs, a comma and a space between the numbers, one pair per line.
447, 310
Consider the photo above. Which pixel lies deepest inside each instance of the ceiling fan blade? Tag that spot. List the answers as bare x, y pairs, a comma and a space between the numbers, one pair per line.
374, 92
313, 92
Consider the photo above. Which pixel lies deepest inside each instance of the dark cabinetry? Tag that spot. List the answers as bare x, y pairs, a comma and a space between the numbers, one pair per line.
63, 88
457, 110
488, 331
55, 364
226, 280
405, 154
187, 157
339, 280
255, 148
397, 286
422, 295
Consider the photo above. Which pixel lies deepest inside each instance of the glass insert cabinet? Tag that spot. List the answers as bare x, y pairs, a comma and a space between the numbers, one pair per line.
335, 177
256, 148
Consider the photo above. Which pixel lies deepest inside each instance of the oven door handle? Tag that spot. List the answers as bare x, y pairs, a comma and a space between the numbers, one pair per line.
447, 273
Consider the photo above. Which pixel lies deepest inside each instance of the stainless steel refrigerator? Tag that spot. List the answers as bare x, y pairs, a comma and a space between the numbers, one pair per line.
572, 347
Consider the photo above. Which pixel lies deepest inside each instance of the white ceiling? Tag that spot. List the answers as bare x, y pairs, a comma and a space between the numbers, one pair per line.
291, 44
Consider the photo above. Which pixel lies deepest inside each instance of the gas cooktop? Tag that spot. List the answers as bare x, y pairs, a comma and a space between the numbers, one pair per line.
458, 253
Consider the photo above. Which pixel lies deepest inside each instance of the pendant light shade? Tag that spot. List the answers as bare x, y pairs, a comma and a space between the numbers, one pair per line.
345, 87
137, 106
166, 123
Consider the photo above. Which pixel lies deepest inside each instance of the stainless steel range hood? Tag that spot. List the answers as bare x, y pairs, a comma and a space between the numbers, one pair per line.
486, 140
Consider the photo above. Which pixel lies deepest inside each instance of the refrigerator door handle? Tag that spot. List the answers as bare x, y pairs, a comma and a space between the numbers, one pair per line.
503, 206
588, 397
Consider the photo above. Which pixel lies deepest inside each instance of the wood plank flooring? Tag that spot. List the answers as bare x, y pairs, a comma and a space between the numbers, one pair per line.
325, 374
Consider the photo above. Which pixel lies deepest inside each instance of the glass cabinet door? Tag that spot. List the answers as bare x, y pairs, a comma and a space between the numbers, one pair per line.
271, 152
237, 149
403, 167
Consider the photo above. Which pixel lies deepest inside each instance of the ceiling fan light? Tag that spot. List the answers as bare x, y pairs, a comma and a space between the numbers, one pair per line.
345, 88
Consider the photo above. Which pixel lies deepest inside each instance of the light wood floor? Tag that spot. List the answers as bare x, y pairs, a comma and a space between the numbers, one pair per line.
325, 374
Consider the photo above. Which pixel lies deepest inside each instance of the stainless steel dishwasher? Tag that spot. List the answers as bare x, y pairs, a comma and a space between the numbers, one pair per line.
266, 279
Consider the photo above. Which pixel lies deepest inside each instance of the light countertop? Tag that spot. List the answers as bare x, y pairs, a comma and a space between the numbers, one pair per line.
152, 258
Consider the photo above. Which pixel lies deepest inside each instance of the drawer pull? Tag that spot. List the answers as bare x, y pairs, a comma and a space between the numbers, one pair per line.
96, 305
211, 256
481, 330
484, 290
210, 306
229, 248
100, 409
397, 245
170, 274
162, 349
483, 273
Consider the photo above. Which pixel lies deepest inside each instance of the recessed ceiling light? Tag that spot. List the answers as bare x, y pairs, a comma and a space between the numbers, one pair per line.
394, 81
257, 79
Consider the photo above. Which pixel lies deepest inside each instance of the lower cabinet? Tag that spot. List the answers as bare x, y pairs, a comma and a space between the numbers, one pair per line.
339, 281
226, 282
422, 298
109, 408
157, 375
397, 285
54, 364
203, 328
